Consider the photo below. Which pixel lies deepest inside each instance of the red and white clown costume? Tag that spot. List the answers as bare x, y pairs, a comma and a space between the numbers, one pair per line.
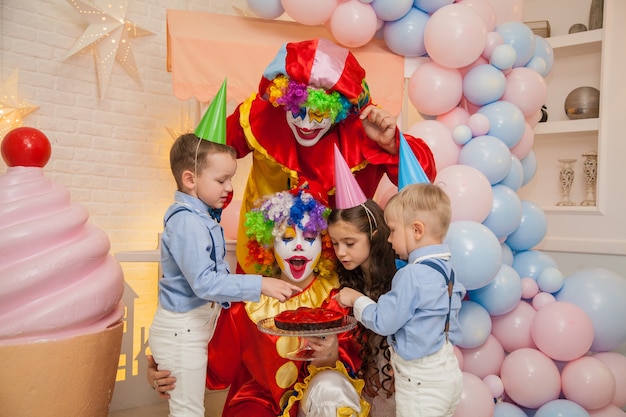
280, 162
252, 364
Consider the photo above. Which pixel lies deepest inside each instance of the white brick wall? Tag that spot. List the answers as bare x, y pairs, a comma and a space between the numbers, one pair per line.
111, 152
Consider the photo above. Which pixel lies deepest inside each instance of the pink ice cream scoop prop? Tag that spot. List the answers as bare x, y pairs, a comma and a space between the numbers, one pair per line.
60, 293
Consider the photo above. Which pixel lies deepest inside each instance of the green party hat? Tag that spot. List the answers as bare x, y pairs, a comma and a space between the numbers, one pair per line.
212, 127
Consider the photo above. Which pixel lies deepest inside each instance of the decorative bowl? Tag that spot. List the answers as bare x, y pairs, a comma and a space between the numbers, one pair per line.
583, 103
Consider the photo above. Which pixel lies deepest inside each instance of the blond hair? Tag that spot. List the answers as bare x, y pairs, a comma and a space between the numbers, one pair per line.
424, 202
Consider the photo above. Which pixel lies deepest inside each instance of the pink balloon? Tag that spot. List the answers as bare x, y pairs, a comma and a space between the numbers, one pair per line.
230, 219
530, 378
589, 382
495, 385
455, 117
617, 364
479, 61
513, 328
476, 399
484, 10
608, 411
386, 189
470, 192
479, 124
494, 39
523, 147
353, 23
455, 36
525, 88
542, 299
485, 359
439, 139
308, 12
562, 331
529, 288
434, 89
534, 118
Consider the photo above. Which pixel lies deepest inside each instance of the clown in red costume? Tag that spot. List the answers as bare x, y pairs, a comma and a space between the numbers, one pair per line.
287, 234
312, 96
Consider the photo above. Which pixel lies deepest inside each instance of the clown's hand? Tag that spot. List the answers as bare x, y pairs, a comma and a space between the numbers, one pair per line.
380, 126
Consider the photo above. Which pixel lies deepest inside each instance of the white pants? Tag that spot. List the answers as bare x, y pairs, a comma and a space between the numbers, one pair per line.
179, 344
428, 387
328, 391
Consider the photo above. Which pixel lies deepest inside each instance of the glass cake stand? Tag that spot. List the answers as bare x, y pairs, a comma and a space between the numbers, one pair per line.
304, 352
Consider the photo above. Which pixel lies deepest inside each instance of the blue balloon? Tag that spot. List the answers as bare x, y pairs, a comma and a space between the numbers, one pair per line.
504, 409
476, 253
507, 254
406, 35
529, 165
476, 325
502, 294
489, 155
266, 9
532, 228
601, 293
530, 263
550, 280
431, 6
506, 211
506, 121
515, 177
503, 57
521, 38
484, 84
561, 408
390, 10
544, 51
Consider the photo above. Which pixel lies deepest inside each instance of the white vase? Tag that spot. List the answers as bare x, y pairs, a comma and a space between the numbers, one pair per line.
566, 179
590, 168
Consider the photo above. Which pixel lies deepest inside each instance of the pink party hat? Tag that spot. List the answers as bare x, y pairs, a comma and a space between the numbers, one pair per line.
212, 127
410, 171
348, 194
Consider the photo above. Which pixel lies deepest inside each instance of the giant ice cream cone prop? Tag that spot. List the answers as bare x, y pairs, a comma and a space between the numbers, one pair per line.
60, 294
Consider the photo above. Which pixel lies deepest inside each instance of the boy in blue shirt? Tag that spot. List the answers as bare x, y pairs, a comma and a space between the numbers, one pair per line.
419, 315
196, 282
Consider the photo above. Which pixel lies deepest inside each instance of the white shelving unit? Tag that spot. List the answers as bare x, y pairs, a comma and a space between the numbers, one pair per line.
590, 58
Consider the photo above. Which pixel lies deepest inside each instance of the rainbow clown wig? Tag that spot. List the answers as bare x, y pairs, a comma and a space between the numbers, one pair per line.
317, 74
271, 217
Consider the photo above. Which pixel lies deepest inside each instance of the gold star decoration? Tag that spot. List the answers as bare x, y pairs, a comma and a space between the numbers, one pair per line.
108, 37
13, 109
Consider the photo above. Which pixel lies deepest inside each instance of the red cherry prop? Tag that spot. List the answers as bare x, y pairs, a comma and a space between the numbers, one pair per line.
26, 147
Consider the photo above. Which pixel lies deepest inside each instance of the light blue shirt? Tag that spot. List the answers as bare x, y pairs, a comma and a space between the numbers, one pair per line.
195, 272
413, 313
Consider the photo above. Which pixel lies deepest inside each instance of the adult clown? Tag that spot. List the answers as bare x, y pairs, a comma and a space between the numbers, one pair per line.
312, 96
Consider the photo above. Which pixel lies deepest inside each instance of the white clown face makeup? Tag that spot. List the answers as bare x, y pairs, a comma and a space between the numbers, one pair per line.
297, 252
308, 126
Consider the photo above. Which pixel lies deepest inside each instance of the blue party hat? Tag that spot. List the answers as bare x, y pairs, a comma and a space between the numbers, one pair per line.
410, 171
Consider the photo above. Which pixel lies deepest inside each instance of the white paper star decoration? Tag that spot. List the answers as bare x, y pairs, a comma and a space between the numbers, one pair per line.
12, 108
108, 37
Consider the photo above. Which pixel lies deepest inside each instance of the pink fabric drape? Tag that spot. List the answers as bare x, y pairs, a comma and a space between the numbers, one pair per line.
205, 48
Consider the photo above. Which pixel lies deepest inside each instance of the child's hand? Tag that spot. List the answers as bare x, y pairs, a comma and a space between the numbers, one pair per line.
347, 296
278, 289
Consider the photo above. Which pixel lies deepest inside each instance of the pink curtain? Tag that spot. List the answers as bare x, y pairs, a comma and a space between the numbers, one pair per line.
205, 48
